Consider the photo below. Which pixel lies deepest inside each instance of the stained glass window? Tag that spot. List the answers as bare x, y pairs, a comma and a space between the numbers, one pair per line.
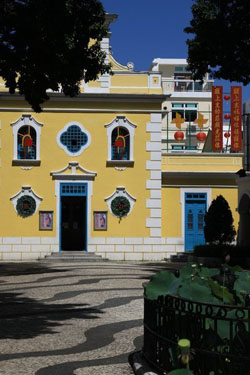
26, 143
120, 144
74, 138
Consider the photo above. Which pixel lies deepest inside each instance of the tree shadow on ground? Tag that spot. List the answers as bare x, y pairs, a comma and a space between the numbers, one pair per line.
14, 269
22, 317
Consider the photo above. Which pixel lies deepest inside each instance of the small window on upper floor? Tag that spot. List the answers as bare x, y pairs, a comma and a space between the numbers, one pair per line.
120, 144
120, 134
186, 110
26, 143
26, 133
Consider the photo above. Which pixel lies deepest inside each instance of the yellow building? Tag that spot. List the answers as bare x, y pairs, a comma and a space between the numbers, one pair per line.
103, 173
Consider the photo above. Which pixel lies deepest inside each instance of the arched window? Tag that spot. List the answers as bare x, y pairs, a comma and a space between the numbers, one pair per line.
27, 133
26, 143
120, 144
120, 132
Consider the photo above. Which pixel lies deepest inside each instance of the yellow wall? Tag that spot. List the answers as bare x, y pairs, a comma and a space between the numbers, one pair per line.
172, 208
171, 212
202, 163
125, 80
54, 158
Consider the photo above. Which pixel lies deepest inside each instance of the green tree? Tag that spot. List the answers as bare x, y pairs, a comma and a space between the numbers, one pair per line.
44, 44
221, 43
219, 222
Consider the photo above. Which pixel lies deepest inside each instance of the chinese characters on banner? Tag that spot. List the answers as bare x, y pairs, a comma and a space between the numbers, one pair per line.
236, 143
217, 118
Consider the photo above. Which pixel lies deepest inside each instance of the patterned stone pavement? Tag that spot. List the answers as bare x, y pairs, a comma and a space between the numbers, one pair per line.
71, 318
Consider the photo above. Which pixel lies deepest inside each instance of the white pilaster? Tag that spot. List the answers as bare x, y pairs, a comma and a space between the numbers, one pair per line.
153, 164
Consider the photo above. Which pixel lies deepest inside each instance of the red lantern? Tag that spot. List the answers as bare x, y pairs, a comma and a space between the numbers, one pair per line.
201, 137
227, 97
179, 136
227, 135
227, 116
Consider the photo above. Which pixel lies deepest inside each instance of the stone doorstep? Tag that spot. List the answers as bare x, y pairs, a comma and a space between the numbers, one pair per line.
139, 365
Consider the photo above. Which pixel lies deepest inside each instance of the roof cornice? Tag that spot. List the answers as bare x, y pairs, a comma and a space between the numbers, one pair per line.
96, 97
201, 175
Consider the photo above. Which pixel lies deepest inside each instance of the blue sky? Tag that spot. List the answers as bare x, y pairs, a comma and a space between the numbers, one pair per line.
147, 29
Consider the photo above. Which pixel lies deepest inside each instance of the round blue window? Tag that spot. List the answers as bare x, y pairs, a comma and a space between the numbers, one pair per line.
74, 138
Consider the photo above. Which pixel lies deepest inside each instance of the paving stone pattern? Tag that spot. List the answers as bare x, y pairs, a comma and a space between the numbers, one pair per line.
71, 318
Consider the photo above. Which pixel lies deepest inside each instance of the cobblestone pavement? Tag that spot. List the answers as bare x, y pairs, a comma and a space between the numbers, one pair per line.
71, 318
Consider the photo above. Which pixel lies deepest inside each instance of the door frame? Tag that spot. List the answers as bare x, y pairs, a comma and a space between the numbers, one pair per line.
73, 194
183, 192
89, 184
200, 201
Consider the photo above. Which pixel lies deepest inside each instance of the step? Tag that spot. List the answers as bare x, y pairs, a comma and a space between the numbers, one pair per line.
181, 257
73, 256
74, 259
74, 253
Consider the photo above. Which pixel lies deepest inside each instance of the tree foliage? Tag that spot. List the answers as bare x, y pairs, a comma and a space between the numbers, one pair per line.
219, 222
221, 43
45, 45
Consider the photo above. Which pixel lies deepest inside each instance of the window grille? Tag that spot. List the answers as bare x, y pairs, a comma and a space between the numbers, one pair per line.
73, 189
196, 195
74, 138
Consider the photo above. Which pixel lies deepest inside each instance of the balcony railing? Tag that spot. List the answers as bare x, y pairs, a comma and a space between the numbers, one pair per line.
192, 136
184, 85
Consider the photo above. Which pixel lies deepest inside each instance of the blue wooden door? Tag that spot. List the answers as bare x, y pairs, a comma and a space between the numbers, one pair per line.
195, 209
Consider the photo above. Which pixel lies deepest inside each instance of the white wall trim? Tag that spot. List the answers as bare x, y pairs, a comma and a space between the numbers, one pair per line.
26, 190
199, 186
154, 221
151, 83
75, 172
120, 192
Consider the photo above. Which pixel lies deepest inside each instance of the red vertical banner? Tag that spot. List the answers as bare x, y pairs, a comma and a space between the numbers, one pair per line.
236, 103
217, 118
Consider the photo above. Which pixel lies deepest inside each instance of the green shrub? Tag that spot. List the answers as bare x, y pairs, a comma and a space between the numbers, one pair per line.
218, 220
221, 250
199, 284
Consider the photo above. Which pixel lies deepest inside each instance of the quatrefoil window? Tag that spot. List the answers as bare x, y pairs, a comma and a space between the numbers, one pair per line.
73, 139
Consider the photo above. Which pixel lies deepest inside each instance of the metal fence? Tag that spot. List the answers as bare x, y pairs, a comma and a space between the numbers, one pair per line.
219, 335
